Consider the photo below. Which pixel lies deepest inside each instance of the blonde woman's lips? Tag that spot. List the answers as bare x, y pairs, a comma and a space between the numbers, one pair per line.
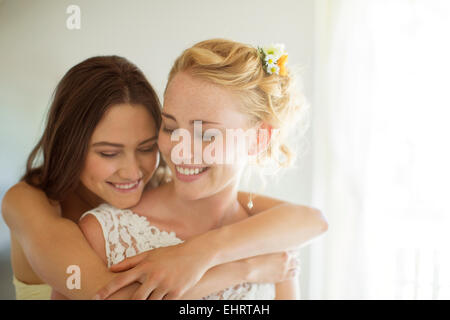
189, 173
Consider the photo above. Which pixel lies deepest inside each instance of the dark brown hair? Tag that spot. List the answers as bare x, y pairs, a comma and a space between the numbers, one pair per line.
80, 100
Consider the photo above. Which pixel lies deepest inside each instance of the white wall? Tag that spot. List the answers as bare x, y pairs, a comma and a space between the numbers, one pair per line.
36, 49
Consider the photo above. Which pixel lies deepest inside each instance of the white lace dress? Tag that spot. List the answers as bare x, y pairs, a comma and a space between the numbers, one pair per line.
127, 234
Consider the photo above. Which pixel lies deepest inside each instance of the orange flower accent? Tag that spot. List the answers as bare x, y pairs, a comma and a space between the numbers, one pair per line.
281, 63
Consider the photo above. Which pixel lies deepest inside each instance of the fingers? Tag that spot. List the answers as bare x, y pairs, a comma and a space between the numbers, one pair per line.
172, 296
157, 294
144, 291
150, 291
117, 283
128, 263
294, 262
294, 272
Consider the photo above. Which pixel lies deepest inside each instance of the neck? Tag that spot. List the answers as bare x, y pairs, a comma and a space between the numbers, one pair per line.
212, 211
89, 198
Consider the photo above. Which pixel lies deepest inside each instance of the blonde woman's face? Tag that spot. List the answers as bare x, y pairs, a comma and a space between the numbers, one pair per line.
122, 155
188, 99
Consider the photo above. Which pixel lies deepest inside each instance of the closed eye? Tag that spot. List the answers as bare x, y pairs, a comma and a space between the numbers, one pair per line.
165, 129
108, 155
150, 149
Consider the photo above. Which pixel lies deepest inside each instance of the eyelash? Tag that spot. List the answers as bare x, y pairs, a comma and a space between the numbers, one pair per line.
165, 129
111, 155
107, 155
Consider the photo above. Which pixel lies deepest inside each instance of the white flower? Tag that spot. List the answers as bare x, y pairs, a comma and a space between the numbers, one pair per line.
276, 50
270, 59
272, 69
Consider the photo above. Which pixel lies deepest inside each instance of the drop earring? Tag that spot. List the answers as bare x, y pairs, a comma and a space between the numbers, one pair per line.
250, 202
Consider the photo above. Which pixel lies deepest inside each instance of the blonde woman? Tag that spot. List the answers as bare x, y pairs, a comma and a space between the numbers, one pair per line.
224, 85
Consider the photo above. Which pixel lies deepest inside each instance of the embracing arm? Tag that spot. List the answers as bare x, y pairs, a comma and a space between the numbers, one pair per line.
288, 290
307, 223
278, 268
52, 243
273, 227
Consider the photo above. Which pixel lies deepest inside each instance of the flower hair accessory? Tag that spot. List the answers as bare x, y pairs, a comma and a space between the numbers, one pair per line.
274, 59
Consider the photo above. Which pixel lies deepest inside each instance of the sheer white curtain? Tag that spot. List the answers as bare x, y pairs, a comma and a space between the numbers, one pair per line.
381, 113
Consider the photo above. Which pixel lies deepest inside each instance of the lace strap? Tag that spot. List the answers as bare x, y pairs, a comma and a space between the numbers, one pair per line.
108, 223
127, 234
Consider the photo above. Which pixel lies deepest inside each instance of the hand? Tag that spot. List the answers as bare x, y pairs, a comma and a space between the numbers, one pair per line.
273, 268
164, 273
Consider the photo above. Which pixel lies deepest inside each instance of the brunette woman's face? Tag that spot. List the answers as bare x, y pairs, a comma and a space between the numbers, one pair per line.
122, 155
186, 100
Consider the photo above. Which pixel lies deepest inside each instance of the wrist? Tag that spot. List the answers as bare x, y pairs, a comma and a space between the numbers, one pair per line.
247, 272
206, 247
250, 270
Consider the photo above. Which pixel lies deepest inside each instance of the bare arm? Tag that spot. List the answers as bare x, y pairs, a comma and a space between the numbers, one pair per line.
275, 268
280, 226
288, 290
52, 243
266, 268
215, 279
219, 278
285, 290
274, 226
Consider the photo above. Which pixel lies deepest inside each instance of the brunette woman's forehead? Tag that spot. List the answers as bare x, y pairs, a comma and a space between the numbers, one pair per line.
125, 124
119, 145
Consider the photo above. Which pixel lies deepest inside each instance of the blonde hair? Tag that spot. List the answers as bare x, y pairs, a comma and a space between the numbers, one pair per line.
271, 99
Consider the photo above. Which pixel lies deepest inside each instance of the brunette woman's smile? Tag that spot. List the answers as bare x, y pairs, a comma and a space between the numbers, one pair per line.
126, 186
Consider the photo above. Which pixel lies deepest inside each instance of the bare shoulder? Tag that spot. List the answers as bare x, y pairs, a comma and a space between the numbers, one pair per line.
93, 233
23, 191
260, 202
24, 199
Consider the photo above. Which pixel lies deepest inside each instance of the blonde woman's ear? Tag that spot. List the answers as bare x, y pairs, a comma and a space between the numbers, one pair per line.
266, 134
259, 139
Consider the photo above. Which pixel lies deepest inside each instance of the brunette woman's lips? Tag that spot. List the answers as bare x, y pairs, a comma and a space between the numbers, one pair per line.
190, 173
126, 187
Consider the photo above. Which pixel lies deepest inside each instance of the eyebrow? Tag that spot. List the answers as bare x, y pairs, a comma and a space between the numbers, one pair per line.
118, 145
191, 122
